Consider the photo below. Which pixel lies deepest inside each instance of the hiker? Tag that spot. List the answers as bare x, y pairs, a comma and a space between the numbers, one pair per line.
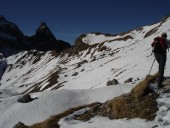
160, 47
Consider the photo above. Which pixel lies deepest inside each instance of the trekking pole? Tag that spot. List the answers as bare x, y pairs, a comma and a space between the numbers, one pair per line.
151, 66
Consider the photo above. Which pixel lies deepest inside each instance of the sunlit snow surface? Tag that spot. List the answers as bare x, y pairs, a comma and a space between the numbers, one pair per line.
52, 103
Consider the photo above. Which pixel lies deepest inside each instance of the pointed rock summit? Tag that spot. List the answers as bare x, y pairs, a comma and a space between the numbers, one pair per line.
45, 40
44, 32
43, 27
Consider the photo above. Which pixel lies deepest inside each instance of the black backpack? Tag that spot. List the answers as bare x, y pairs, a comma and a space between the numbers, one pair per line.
159, 46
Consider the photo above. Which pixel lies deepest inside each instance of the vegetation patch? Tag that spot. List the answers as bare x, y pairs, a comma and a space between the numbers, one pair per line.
52, 80
52, 122
106, 34
34, 88
152, 31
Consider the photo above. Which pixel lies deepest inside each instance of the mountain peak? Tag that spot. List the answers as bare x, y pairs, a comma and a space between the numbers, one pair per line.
2, 18
44, 31
43, 25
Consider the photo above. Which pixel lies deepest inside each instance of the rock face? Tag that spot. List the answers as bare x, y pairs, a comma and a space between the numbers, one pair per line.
3, 65
79, 45
9, 28
12, 40
45, 40
44, 33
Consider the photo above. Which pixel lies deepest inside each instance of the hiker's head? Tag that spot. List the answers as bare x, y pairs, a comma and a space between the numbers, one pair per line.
164, 35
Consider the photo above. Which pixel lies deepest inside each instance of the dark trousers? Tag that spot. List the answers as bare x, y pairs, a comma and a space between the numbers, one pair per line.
161, 59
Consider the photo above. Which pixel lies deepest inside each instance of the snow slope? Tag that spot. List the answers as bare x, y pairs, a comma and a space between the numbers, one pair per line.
51, 103
127, 55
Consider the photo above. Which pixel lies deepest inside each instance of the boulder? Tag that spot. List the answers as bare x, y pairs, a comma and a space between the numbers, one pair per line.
112, 82
25, 99
128, 80
20, 125
75, 74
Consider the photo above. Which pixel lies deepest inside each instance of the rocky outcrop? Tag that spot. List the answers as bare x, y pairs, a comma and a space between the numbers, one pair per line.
3, 65
10, 29
12, 40
45, 40
128, 80
79, 46
44, 33
25, 99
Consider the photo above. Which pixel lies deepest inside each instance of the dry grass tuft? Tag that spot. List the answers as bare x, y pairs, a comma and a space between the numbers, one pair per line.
139, 103
52, 122
128, 107
142, 88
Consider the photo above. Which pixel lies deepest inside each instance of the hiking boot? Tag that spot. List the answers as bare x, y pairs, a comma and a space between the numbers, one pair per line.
161, 86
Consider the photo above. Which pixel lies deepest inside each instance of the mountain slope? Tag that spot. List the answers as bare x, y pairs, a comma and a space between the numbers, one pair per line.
54, 77
102, 58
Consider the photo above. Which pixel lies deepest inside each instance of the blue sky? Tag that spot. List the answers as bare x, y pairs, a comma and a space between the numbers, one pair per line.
67, 19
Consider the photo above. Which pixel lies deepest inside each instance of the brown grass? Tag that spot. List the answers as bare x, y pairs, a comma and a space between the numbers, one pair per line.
127, 107
124, 38
53, 79
142, 89
140, 102
52, 122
